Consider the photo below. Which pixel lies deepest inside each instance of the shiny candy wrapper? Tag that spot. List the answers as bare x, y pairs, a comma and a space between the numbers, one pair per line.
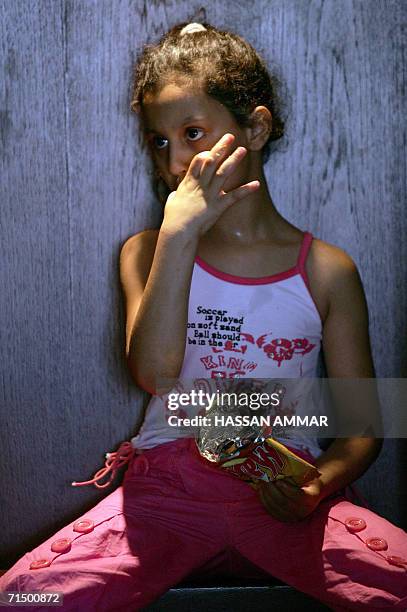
270, 460
251, 454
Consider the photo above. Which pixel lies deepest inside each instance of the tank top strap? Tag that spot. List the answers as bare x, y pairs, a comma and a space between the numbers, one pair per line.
303, 254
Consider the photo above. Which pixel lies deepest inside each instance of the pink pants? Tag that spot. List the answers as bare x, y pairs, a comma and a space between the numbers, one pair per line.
177, 515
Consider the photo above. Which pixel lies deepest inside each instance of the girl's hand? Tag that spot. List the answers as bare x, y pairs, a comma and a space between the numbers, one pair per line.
288, 502
199, 199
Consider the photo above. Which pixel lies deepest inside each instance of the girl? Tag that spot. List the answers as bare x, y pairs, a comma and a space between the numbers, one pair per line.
209, 113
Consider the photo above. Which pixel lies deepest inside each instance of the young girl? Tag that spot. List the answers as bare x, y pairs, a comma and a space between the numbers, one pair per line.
222, 256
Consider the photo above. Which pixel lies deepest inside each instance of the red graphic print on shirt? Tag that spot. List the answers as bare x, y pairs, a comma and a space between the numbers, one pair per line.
278, 349
281, 349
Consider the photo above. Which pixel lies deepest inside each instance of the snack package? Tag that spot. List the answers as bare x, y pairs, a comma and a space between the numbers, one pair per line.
251, 453
270, 460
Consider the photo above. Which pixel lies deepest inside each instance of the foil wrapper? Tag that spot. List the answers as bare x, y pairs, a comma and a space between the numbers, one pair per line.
250, 452
219, 444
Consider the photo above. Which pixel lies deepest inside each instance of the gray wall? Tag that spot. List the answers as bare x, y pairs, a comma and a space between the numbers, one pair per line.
75, 184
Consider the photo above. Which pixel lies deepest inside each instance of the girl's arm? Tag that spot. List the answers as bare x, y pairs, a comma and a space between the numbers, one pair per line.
155, 270
347, 354
157, 279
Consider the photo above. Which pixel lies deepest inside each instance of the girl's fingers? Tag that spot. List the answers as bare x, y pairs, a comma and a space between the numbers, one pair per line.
204, 164
273, 507
272, 494
215, 170
211, 169
288, 489
196, 165
237, 194
227, 167
220, 149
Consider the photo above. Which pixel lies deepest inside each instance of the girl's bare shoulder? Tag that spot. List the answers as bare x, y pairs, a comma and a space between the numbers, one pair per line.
332, 274
145, 239
328, 258
137, 253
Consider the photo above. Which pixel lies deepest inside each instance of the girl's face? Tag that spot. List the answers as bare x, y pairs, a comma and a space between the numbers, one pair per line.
179, 122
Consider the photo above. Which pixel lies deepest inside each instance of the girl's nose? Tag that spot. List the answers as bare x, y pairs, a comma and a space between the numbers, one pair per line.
179, 158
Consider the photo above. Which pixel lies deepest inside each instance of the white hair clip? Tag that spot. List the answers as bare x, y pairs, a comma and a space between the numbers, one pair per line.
192, 27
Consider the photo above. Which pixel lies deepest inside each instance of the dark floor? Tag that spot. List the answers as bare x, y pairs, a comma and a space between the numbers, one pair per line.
231, 595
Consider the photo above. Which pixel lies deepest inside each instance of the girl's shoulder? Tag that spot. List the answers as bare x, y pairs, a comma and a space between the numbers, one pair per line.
136, 256
146, 238
328, 258
332, 274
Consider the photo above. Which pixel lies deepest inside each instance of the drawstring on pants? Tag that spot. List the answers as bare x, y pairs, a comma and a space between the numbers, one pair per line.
113, 462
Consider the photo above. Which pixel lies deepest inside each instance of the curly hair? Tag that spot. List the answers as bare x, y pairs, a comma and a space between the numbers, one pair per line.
220, 63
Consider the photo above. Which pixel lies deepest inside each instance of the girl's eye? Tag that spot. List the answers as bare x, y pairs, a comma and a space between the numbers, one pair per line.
194, 132
159, 142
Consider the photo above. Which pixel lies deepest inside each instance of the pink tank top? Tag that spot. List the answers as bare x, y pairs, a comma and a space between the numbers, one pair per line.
266, 327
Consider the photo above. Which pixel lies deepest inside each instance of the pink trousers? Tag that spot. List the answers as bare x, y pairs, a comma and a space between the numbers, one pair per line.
177, 515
